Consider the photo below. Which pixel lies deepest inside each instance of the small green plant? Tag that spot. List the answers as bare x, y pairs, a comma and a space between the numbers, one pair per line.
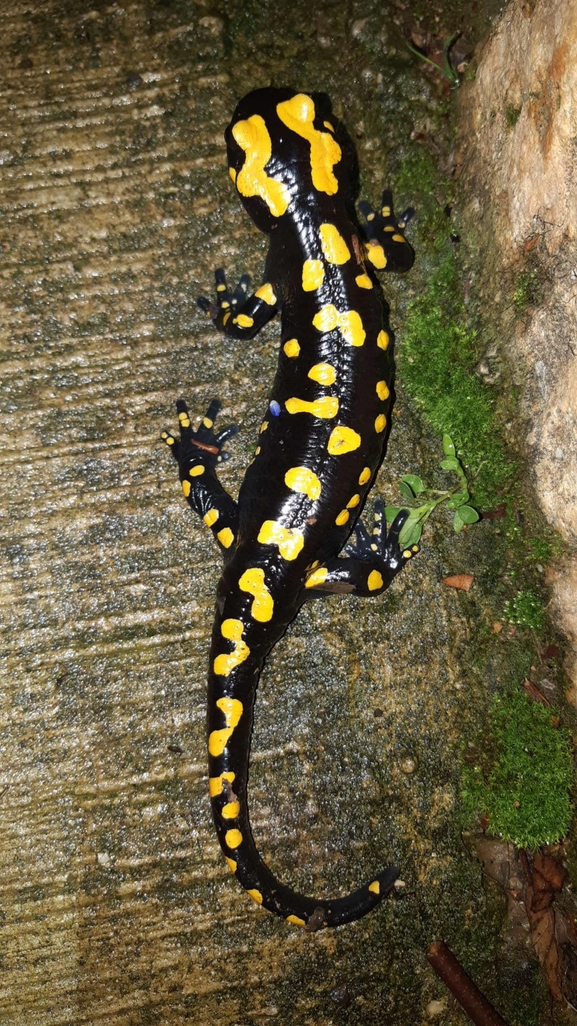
528, 291
413, 489
524, 789
446, 68
526, 610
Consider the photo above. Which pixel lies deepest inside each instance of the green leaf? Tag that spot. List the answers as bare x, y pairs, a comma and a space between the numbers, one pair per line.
407, 491
449, 446
468, 515
451, 463
457, 500
458, 524
391, 512
410, 534
414, 482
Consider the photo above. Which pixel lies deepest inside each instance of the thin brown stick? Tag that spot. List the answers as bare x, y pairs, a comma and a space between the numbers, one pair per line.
473, 1003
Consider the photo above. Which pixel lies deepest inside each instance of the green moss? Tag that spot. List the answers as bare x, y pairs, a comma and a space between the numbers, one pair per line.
526, 610
523, 775
528, 290
512, 115
436, 360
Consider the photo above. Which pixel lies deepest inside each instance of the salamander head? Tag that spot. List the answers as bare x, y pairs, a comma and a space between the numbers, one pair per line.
282, 146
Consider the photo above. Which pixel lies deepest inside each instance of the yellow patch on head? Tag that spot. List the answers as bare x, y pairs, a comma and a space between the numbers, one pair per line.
326, 319
186, 488
374, 580
301, 479
351, 327
382, 390
233, 838
334, 247
266, 294
243, 321
298, 114
380, 423
316, 577
252, 180
295, 920
255, 895
375, 887
252, 581
289, 539
210, 517
324, 373
232, 709
230, 810
225, 537
365, 476
363, 281
216, 784
224, 664
226, 317
291, 348
342, 517
326, 407
376, 255
383, 339
343, 439
313, 275
196, 471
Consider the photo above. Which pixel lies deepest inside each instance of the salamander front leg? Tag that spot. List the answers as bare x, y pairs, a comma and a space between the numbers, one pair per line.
385, 244
374, 560
237, 313
198, 453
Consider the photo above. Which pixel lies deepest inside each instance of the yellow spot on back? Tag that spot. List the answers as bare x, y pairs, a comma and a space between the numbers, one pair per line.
295, 920
233, 838
196, 471
186, 488
210, 517
301, 479
232, 709
342, 517
289, 539
343, 439
375, 887
363, 281
292, 348
354, 501
230, 810
224, 664
380, 423
365, 476
333, 245
383, 390
232, 173
252, 581
317, 577
374, 580
225, 537
313, 275
376, 255
324, 373
231, 864
383, 340
399, 238
255, 895
243, 321
263, 426
266, 293
298, 114
216, 784
326, 319
252, 137
326, 407
351, 327
226, 317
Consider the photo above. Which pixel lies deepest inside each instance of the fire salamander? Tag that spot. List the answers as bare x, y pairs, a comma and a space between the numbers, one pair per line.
320, 444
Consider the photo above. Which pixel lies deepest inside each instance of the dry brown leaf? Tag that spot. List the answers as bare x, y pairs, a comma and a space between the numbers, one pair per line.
462, 582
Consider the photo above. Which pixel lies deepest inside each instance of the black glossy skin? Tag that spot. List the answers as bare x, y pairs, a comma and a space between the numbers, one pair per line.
338, 445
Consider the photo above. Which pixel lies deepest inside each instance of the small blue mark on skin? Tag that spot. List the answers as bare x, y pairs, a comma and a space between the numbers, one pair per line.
274, 408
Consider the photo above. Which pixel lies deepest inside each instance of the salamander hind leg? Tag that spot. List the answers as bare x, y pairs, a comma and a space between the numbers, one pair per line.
374, 559
198, 453
385, 244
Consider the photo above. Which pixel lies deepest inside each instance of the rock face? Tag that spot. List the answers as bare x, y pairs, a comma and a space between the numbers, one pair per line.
519, 173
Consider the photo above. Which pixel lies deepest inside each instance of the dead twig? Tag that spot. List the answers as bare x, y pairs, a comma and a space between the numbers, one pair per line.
473, 1003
